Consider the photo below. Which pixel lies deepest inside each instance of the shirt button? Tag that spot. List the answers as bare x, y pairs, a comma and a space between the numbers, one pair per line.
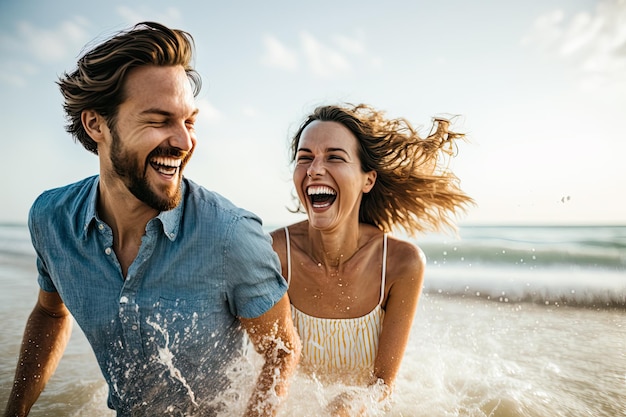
123, 300
134, 327
100, 226
107, 251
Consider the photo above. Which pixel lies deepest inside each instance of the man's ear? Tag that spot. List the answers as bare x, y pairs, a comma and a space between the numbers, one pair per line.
370, 181
94, 124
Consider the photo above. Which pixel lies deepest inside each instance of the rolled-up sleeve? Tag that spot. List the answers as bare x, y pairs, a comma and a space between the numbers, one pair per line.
252, 269
44, 280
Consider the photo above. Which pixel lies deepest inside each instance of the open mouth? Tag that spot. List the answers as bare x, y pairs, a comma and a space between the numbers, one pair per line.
321, 196
165, 165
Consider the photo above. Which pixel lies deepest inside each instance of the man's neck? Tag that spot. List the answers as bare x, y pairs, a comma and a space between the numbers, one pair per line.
127, 216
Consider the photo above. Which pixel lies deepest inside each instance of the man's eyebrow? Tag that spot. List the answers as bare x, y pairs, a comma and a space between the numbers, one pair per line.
161, 112
156, 111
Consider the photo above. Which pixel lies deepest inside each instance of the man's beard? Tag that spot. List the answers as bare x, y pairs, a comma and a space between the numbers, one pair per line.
135, 179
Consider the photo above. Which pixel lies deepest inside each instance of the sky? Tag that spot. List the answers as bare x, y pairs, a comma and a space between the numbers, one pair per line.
539, 88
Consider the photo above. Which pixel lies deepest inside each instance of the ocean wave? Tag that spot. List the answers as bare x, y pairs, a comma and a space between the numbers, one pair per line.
594, 246
516, 254
574, 286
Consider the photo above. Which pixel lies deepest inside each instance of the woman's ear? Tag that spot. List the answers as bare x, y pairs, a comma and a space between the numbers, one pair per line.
94, 124
370, 180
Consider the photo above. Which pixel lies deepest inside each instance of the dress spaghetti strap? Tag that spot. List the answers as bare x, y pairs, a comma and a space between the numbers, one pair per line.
384, 274
288, 255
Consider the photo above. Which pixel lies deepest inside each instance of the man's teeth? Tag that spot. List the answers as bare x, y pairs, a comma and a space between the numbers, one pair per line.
165, 165
321, 189
165, 161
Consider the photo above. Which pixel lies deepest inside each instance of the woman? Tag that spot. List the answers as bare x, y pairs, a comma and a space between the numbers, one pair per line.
354, 288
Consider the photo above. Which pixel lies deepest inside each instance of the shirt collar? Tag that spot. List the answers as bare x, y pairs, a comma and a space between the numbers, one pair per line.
169, 219
90, 214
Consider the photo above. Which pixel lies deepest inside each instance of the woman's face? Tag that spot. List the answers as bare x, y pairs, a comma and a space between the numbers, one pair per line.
328, 175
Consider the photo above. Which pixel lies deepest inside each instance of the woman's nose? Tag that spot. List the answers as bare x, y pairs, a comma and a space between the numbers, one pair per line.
316, 168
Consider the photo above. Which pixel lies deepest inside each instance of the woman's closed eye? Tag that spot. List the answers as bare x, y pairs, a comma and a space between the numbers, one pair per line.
336, 158
304, 159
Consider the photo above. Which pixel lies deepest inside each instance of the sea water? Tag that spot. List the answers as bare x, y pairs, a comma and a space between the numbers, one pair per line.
513, 321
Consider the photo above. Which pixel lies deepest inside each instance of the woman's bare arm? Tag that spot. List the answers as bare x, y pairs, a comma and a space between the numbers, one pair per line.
402, 299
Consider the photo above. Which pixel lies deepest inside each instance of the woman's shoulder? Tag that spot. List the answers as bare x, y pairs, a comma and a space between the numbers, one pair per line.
279, 236
405, 248
404, 258
295, 230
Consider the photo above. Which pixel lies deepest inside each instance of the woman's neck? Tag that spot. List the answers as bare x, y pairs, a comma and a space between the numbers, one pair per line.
333, 248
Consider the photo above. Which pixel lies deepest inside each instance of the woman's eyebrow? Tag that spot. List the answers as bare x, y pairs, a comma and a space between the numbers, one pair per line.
326, 150
336, 150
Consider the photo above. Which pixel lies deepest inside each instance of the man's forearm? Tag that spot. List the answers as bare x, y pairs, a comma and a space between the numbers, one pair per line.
274, 337
43, 344
273, 382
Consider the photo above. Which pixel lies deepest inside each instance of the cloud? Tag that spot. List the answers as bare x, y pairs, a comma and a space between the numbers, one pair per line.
207, 112
250, 112
32, 47
351, 45
47, 45
278, 55
356, 46
546, 31
324, 60
15, 73
594, 42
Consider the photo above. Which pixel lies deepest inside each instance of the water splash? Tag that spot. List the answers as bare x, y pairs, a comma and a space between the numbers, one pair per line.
166, 358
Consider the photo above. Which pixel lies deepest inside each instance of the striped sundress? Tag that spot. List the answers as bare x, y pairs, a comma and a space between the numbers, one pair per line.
341, 350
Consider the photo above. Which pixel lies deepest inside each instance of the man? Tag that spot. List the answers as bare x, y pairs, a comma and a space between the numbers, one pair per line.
162, 275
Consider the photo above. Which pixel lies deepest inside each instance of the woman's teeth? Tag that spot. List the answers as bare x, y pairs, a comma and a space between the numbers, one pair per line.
321, 196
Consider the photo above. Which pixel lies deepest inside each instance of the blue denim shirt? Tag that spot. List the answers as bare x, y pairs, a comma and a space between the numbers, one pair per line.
163, 334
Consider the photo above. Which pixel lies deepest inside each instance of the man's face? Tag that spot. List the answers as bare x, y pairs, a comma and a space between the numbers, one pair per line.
153, 137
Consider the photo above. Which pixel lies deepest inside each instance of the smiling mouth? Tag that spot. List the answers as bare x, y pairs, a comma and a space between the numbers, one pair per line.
321, 196
165, 165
